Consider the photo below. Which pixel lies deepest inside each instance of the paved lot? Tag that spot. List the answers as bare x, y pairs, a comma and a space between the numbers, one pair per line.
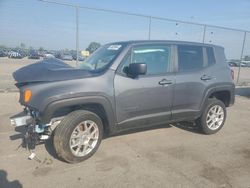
8, 66
167, 156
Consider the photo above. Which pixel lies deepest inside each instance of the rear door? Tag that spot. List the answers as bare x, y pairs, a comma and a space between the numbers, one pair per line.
193, 78
145, 100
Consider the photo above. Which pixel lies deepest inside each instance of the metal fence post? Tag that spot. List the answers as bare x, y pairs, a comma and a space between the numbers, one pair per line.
149, 28
241, 56
77, 36
204, 33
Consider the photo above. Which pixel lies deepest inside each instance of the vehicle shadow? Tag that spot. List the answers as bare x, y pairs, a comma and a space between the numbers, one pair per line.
8, 184
136, 130
50, 148
20, 131
187, 126
243, 91
19, 136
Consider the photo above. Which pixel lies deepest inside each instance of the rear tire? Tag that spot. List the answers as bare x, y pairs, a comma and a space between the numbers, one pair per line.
78, 136
213, 116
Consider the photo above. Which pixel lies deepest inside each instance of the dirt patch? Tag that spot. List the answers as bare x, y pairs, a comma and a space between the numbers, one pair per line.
216, 175
109, 163
178, 152
246, 153
44, 167
43, 171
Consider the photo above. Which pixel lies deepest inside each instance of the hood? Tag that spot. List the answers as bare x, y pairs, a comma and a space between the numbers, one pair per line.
47, 71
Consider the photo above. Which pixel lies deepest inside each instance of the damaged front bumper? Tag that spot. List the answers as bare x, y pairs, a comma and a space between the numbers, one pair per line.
34, 132
22, 120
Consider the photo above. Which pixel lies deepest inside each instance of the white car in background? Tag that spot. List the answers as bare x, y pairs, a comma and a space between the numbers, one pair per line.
13, 54
246, 63
47, 56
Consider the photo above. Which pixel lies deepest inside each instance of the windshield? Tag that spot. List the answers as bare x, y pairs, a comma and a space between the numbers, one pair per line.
102, 58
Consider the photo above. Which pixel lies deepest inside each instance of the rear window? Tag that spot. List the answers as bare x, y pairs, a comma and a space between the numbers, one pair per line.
190, 57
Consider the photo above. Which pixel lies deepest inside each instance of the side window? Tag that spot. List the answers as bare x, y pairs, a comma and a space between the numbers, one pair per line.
156, 57
210, 55
190, 57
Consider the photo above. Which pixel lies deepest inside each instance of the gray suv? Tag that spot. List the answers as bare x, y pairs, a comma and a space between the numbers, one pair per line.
123, 85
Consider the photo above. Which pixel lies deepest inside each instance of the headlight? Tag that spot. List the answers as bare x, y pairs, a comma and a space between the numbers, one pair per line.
27, 95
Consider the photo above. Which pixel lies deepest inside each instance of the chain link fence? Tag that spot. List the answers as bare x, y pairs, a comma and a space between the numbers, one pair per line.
64, 26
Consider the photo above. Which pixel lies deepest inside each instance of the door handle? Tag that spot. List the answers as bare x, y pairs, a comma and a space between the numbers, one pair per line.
164, 82
206, 77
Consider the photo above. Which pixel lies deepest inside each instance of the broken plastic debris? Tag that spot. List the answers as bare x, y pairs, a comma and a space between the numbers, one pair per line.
44, 137
32, 155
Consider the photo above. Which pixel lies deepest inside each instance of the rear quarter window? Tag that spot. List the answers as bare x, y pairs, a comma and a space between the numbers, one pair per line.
190, 57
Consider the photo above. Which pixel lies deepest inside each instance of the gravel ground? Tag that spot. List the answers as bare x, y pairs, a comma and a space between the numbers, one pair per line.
175, 155
8, 66
165, 156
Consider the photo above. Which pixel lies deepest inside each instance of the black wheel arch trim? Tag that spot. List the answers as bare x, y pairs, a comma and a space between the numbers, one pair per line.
51, 108
223, 87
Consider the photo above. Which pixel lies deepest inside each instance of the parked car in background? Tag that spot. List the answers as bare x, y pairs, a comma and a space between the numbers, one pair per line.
246, 63
33, 55
3, 53
23, 53
58, 55
80, 57
16, 55
48, 56
242, 64
67, 57
237, 63
233, 64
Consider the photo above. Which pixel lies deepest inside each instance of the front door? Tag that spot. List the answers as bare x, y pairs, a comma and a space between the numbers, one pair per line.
147, 99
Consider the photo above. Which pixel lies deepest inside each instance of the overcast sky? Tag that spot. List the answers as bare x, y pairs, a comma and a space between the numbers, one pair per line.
53, 26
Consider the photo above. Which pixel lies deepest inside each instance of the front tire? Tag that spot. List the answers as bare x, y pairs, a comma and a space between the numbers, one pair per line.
78, 136
213, 116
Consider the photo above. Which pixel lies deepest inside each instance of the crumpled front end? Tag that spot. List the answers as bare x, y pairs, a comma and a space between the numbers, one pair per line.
35, 132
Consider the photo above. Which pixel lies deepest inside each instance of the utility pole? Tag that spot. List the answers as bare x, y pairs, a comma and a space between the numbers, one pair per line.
241, 56
77, 36
149, 28
204, 33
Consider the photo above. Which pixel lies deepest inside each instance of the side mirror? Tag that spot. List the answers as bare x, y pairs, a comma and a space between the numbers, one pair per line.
135, 69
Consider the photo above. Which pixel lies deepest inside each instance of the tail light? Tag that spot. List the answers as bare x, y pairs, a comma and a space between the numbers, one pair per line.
232, 74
